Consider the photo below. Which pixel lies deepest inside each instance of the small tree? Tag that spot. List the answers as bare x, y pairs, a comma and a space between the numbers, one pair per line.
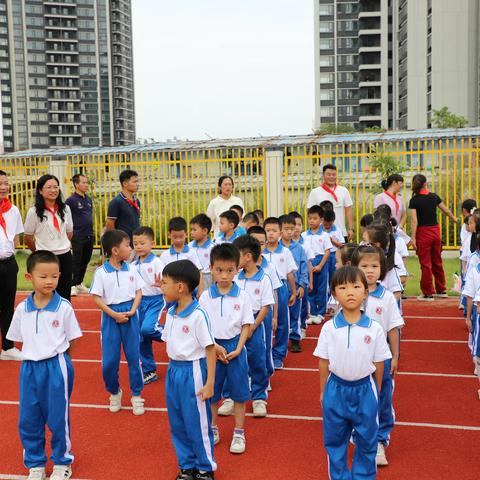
444, 118
334, 129
382, 161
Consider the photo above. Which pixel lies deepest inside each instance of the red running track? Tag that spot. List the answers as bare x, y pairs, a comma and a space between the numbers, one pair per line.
438, 416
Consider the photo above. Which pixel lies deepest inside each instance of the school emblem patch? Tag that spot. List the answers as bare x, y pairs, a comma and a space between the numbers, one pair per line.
150, 270
379, 310
236, 307
257, 291
205, 255
185, 329
367, 339
132, 278
55, 324
282, 260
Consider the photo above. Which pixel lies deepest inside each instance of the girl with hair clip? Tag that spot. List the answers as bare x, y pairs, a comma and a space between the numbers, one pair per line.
381, 307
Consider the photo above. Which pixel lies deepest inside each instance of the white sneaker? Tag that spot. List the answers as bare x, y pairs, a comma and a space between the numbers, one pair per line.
37, 473
11, 354
318, 319
74, 291
216, 435
259, 408
138, 404
82, 288
238, 443
310, 320
227, 408
116, 402
269, 388
381, 458
303, 333
61, 472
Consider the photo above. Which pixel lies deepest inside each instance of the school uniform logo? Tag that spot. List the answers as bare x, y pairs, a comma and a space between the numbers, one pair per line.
367, 339
236, 307
185, 329
379, 310
205, 255
132, 278
282, 260
149, 270
257, 291
55, 324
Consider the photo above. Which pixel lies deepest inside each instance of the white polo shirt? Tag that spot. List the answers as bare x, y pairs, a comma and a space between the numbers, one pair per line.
147, 269
282, 259
47, 237
228, 312
334, 233
318, 242
401, 247
352, 349
187, 333
306, 247
116, 286
219, 205
221, 238
318, 195
382, 307
473, 260
272, 273
472, 283
45, 332
170, 255
203, 253
14, 226
258, 288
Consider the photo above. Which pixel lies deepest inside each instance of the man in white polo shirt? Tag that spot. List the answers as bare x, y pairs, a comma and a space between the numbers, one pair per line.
338, 195
11, 226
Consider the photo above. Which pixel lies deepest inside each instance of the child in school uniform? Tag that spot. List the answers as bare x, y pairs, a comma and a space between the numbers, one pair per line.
231, 316
229, 221
200, 227
336, 238
238, 209
46, 325
319, 243
148, 267
287, 226
382, 307
286, 267
190, 379
258, 286
117, 292
249, 220
351, 348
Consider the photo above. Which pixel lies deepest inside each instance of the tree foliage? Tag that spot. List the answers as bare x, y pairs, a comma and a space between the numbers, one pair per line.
444, 118
382, 161
334, 129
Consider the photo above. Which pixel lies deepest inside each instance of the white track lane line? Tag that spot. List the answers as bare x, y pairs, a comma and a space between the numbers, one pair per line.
275, 416
6, 476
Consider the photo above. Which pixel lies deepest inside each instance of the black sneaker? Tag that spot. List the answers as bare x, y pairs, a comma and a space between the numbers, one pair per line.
149, 377
187, 474
204, 476
295, 346
425, 298
441, 295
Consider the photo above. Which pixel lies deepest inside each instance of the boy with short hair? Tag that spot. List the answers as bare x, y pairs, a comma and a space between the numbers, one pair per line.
260, 216
336, 238
256, 283
190, 379
228, 223
231, 316
200, 227
46, 325
283, 260
238, 209
249, 220
117, 292
149, 267
287, 226
319, 243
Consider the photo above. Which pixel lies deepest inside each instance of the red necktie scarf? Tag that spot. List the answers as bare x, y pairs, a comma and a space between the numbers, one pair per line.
423, 191
330, 191
53, 211
5, 206
394, 198
133, 203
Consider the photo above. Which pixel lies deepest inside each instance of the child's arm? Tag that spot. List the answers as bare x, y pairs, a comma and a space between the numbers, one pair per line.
70, 348
464, 266
310, 276
324, 372
241, 342
260, 318
136, 303
380, 366
275, 312
336, 243
394, 340
293, 288
206, 391
201, 286
119, 317
468, 319
319, 267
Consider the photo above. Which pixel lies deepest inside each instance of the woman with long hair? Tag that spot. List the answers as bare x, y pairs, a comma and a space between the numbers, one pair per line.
49, 226
426, 238
392, 186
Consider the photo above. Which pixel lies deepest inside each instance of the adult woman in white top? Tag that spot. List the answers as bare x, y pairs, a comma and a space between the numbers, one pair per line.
49, 226
222, 202
392, 186
11, 226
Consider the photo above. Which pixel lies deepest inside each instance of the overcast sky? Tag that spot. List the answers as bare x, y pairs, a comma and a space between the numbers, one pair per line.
223, 68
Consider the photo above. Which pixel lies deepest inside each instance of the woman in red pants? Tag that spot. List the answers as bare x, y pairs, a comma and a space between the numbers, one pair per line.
426, 237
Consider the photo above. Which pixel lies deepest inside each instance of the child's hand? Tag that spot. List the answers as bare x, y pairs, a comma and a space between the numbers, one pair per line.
393, 366
131, 313
310, 286
206, 392
121, 317
221, 353
233, 354
316, 269
300, 292
158, 280
468, 322
274, 324
252, 330
321, 397
292, 300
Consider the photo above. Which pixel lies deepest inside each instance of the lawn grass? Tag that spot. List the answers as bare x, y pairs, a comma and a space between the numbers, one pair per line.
451, 265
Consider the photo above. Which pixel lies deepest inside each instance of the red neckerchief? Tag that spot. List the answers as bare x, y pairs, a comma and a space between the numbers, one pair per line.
423, 191
133, 203
330, 191
5, 206
53, 211
394, 198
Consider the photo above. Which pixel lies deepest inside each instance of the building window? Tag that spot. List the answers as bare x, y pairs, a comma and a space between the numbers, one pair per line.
347, 25
326, 27
347, 42
344, 60
327, 111
327, 61
326, 44
326, 9
347, 8
326, 77
327, 95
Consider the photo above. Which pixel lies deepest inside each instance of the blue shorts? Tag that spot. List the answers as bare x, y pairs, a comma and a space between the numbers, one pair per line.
233, 375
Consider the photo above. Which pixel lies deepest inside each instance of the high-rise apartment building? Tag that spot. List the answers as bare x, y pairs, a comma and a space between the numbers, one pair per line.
389, 63
66, 73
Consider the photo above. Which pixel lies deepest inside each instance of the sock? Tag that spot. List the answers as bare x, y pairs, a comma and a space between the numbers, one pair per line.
239, 431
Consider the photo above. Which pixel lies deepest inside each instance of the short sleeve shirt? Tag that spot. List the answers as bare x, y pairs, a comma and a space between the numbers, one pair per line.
147, 269
45, 332
272, 273
318, 242
426, 207
171, 255
203, 253
336, 234
14, 226
228, 312
126, 216
258, 288
82, 214
382, 307
398, 207
283, 260
187, 333
471, 288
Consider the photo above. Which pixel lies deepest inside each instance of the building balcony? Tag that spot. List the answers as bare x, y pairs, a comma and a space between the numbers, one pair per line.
372, 49
369, 101
369, 14
370, 83
369, 66
373, 31
370, 118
